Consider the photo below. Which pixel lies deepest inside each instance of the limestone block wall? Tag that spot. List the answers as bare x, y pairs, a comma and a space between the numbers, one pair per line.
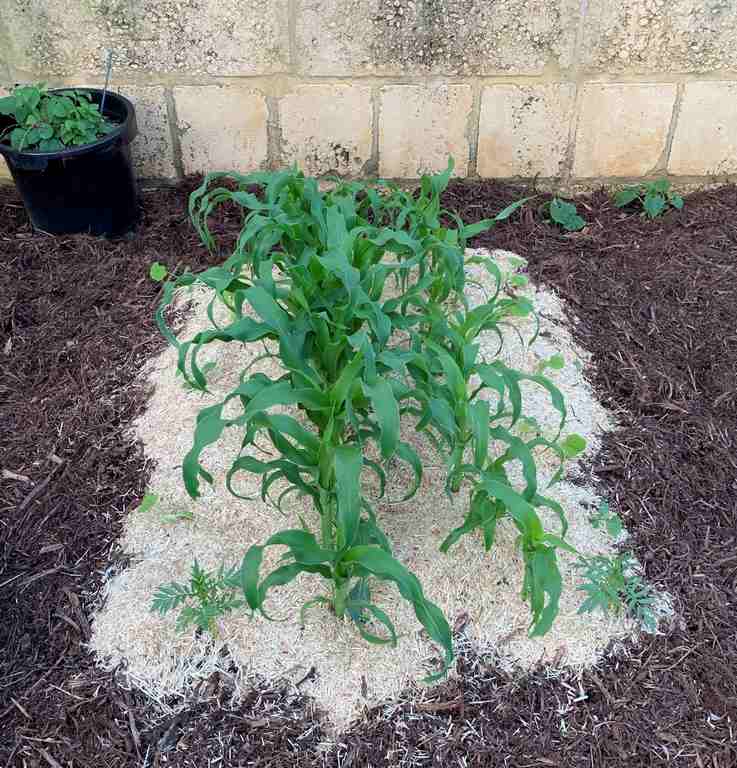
572, 91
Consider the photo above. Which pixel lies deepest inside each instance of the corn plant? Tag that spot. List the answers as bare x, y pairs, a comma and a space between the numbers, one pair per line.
308, 274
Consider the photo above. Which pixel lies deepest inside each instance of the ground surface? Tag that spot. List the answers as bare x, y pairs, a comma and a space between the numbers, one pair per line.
658, 310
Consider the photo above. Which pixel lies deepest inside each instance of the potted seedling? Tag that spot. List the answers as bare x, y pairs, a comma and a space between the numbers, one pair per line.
68, 152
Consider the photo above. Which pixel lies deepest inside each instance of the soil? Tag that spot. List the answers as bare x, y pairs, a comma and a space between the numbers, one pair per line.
656, 307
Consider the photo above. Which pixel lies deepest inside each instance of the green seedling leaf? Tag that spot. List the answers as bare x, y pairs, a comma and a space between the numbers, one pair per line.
565, 215
614, 526
626, 196
654, 204
148, 502
176, 517
157, 272
518, 281
573, 445
555, 362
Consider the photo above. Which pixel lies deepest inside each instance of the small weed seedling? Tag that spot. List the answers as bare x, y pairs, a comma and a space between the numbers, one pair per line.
611, 583
565, 215
607, 519
47, 122
209, 595
655, 197
150, 500
308, 273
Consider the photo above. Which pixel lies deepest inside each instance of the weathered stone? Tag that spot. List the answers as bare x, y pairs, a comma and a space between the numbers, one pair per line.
152, 150
622, 128
64, 37
660, 35
327, 128
441, 36
705, 139
420, 126
221, 128
523, 130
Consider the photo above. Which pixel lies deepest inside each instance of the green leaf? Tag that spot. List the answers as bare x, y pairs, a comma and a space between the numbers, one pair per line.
408, 454
556, 362
348, 463
654, 205
357, 607
661, 186
573, 445
521, 511
148, 502
208, 429
480, 415
504, 214
368, 560
472, 230
626, 196
50, 145
157, 272
349, 374
543, 580
614, 526
7, 105
676, 201
168, 597
386, 410
564, 213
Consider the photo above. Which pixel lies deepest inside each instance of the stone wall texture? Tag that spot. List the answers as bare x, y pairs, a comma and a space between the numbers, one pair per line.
570, 91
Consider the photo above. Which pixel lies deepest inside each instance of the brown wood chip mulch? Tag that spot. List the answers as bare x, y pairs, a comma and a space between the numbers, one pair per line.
656, 304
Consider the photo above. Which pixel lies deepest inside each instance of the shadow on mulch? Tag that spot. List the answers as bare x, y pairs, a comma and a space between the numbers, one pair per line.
656, 304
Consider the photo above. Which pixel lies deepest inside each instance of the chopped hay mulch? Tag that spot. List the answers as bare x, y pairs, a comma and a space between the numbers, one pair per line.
657, 305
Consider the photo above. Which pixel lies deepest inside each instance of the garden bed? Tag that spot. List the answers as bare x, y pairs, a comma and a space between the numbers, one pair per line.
656, 308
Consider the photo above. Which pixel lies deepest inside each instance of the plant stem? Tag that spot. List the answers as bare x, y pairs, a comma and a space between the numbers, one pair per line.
340, 597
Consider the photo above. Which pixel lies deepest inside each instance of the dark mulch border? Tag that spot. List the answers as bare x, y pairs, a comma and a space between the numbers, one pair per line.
76, 324
657, 307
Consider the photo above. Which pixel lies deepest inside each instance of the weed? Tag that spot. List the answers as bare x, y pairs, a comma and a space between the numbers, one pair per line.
609, 520
150, 500
209, 595
47, 121
565, 215
654, 197
611, 584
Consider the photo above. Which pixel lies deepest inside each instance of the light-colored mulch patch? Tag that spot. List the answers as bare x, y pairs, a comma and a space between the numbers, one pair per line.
468, 584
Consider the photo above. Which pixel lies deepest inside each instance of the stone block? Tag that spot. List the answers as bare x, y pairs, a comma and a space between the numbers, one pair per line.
221, 128
622, 128
705, 139
327, 128
60, 37
339, 37
152, 150
420, 126
660, 36
523, 130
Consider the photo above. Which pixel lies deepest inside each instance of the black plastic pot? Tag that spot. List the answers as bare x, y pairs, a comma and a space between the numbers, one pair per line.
90, 188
